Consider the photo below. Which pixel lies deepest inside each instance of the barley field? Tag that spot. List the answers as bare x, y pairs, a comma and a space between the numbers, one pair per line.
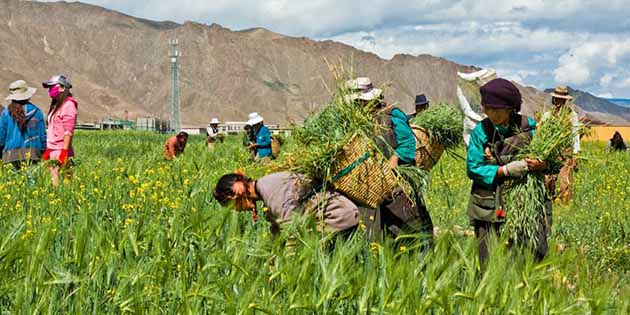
134, 234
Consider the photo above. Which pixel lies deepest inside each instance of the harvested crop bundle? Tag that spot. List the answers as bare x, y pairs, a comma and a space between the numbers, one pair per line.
443, 123
436, 129
525, 198
339, 146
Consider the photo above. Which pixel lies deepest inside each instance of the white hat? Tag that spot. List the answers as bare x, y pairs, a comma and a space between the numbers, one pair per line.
363, 89
254, 118
214, 121
19, 91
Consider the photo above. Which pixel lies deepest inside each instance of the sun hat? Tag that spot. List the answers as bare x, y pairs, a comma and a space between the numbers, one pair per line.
561, 91
421, 100
363, 89
20, 91
254, 118
500, 93
57, 79
214, 121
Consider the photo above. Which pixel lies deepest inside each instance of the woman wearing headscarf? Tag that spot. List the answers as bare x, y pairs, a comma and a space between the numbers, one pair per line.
490, 161
62, 118
22, 127
287, 195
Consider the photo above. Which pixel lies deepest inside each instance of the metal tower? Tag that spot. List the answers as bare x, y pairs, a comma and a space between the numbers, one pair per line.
174, 55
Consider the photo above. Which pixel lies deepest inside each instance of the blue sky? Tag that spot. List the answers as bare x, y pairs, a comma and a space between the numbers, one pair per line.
585, 44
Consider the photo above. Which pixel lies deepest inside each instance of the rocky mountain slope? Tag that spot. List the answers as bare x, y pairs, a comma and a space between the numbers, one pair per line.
119, 62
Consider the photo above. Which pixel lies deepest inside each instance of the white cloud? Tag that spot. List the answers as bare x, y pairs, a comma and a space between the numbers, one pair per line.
596, 58
606, 79
459, 39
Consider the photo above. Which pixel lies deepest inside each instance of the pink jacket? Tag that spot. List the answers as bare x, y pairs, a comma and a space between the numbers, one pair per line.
61, 124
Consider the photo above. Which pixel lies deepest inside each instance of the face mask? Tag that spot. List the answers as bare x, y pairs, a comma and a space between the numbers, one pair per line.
54, 91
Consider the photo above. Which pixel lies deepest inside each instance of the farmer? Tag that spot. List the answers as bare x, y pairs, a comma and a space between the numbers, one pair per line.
560, 98
286, 195
493, 143
262, 138
616, 143
22, 127
421, 104
398, 214
62, 118
175, 145
214, 134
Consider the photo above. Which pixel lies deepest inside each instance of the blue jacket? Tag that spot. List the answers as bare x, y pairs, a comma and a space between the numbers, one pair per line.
12, 138
263, 139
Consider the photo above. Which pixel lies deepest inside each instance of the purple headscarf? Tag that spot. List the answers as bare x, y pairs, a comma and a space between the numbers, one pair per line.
501, 93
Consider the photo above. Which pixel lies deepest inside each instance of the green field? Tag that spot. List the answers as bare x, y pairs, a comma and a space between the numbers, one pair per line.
133, 233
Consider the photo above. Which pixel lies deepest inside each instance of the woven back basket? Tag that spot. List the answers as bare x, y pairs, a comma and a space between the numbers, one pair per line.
275, 147
361, 175
428, 151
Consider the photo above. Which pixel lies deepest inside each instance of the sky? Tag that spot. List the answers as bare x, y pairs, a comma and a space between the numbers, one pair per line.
581, 43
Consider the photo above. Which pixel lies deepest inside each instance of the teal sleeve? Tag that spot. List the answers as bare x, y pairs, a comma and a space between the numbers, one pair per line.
264, 137
406, 141
477, 168
532, 123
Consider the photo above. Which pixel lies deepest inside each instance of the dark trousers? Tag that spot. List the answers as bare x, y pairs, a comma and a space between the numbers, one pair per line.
399, 215
484, 230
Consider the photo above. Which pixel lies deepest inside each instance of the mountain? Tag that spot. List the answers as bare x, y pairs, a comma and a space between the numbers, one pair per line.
624, 102
599, 108
120, 63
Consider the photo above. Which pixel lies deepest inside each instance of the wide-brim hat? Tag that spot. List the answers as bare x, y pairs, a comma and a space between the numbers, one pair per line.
254, 118
362, 89
20, 91
561, 92
214, 121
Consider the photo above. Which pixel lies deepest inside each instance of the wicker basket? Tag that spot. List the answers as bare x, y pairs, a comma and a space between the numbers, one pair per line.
428, 151
361, 175
275, 147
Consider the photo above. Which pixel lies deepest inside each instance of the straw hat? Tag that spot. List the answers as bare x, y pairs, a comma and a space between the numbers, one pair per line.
214, 121
20, 91
254, 118
561, 91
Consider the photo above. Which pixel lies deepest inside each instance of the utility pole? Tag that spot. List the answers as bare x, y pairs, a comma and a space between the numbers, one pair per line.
174, 55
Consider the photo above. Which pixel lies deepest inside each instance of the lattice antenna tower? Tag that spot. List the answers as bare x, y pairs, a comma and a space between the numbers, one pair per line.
174, 55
